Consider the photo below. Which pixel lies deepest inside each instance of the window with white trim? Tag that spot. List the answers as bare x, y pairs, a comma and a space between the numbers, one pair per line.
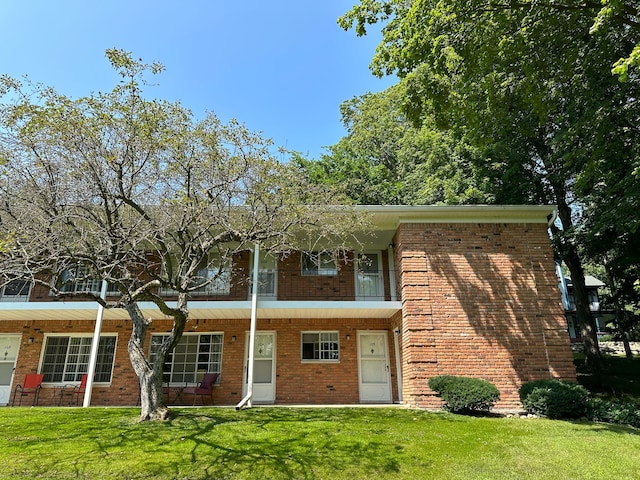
318, 263
66, 358
193, 356
15, 291
219, 281
77, 279
320, 346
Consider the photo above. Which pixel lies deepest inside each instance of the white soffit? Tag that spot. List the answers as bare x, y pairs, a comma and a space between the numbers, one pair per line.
388, 216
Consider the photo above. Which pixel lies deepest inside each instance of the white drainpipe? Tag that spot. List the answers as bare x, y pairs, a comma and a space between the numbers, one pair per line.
246, 401
396, 344
93, 358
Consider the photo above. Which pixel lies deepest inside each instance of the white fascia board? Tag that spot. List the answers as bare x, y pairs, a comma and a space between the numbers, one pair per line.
392, 215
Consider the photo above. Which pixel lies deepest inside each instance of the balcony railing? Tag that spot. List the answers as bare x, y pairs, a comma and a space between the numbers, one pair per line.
276, 285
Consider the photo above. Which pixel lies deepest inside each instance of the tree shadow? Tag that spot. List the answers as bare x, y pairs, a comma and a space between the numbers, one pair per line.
498, 305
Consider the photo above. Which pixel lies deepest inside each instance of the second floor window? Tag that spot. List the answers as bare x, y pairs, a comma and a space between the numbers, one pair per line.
217, 281
15, 291
318, 263
78, 280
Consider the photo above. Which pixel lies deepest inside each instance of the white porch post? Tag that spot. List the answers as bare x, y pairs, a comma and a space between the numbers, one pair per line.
94, 348
252, 329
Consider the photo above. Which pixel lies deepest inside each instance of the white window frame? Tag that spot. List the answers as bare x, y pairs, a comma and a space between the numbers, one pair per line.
221, 286
82, 363
318, 264
179, 378
322, 347
21, 297
87, 285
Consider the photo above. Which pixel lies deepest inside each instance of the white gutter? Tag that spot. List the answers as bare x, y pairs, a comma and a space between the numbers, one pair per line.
93, 358
396, 344
252, 330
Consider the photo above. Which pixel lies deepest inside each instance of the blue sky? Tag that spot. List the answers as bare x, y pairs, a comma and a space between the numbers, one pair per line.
280, 67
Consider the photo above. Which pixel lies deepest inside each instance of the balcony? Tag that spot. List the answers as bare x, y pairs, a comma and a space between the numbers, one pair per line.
281, 294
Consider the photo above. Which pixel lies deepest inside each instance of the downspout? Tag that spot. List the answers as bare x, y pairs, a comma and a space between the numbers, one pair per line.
252, 329
93, 357
396, 344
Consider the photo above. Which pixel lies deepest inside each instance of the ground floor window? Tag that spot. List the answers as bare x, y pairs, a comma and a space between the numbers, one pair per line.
320, 346
66, 358
194, 356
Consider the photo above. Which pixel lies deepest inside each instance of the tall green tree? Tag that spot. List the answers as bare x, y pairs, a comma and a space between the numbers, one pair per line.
386, 159
139, 194
529, 86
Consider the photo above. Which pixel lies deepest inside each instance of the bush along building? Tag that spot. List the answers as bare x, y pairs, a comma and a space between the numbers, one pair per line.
438, 290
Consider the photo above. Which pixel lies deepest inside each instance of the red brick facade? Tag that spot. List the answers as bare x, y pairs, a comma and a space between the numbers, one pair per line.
479, 300
475, 299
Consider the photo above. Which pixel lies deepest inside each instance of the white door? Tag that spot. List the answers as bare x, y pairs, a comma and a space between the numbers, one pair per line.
9, 345
373, 367
264, 367
369, 280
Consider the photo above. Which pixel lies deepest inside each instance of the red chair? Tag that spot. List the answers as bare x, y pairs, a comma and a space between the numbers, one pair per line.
31, 386
80, 389
205, 387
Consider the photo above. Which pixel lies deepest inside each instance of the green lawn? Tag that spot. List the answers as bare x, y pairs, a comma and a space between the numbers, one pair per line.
318, 443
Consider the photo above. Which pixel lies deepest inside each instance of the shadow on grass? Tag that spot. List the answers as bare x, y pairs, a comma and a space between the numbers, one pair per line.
216, 443
620, 377
221, 443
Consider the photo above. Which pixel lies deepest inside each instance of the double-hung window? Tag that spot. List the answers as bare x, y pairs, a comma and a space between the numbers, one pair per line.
66, 358
320, 346
318, 263
193, 356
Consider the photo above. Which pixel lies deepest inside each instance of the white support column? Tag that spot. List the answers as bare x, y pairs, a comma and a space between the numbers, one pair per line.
252, 329
94, 348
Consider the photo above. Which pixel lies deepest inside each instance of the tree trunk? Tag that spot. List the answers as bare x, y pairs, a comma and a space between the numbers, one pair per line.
588, 329
621, 316
149, 375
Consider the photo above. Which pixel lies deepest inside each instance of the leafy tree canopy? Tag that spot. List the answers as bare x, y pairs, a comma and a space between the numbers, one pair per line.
528, 84
138, 193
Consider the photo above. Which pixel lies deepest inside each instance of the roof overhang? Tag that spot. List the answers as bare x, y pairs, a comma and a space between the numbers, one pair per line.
72, 311
385, 219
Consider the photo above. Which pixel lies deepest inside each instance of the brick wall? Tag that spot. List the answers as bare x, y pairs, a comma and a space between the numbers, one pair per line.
479, 300
296, 381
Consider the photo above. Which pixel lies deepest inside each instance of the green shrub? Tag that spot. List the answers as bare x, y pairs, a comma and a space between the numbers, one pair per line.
464, 394
554, 398
600, 410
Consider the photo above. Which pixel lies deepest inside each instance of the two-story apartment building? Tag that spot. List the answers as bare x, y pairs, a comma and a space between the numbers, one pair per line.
602, 317
467, 290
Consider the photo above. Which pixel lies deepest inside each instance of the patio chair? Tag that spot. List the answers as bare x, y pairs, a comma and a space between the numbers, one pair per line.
205, 387
79, 390
31, 386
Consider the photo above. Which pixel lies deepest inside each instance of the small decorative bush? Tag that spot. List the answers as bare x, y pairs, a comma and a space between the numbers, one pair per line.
600, 410
554, 398
464, 394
